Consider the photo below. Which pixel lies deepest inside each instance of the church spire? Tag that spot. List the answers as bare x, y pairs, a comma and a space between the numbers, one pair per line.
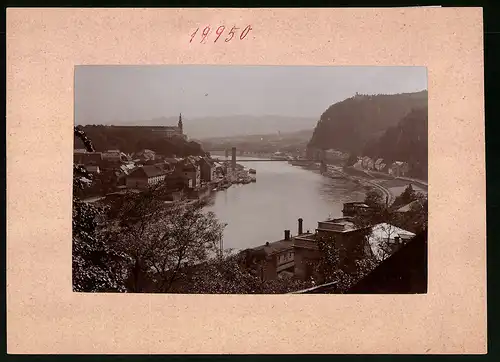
180, 122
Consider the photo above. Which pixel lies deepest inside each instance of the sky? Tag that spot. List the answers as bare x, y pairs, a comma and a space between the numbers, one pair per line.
117, 94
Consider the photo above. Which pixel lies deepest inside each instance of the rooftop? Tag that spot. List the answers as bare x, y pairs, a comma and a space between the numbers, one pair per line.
407, 207
148, 171
386, 233
357, 204
344, 224
305, 242
275, 247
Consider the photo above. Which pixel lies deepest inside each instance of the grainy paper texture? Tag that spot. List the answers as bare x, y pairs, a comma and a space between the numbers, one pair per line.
45, 316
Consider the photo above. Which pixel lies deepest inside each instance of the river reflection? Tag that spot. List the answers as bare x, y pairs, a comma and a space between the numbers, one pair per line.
261, 211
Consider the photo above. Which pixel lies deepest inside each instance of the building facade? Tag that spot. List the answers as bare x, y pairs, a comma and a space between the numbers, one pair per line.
191, 170
171, 131
146, 176
207, 169
399, 169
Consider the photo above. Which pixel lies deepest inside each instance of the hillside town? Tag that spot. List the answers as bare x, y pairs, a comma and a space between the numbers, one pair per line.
191, 177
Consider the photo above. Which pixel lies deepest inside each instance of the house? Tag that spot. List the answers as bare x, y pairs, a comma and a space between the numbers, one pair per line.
127, 168
92, 168
207, 169
385, 239
145, 155
82, 157
114, 156
146, 176
399, 169
353, 243
353, 209
306, 253
270, 260
408, 207
349, 239
404, 272
190, 169
367, 163
178, 181
358, 164
379, 165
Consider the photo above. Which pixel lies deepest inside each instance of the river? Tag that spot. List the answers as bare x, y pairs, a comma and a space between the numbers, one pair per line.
261, 211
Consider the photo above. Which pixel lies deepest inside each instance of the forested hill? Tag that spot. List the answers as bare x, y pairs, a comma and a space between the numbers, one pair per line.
135, 139
407, 141
349, 125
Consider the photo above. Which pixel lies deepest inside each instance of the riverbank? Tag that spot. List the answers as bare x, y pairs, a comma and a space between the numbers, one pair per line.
363, 178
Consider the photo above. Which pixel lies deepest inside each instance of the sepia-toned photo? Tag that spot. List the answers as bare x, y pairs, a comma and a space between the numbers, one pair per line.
250, 179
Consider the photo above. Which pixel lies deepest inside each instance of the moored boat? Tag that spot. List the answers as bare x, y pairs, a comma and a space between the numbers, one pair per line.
252, 174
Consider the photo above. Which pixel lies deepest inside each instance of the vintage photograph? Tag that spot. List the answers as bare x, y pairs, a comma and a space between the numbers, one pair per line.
212, 179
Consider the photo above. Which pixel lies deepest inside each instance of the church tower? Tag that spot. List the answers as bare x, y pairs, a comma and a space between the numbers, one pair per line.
180, 123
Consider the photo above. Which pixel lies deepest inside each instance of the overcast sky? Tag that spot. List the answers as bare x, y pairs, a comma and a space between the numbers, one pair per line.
114, 94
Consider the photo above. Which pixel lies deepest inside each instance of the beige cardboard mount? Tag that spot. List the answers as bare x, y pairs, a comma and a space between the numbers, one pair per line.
45, 316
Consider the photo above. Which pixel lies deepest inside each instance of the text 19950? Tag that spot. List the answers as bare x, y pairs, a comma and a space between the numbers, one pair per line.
218, 33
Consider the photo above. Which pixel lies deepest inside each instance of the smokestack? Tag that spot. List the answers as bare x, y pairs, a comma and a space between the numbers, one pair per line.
287, 234
300, 226
233, 160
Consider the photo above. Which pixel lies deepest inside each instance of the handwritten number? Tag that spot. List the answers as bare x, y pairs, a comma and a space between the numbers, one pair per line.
219, 32
205, 33
245, 32
231, 33
194, 34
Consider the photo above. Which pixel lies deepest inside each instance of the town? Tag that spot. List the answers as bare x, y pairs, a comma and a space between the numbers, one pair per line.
192, 177
364, 231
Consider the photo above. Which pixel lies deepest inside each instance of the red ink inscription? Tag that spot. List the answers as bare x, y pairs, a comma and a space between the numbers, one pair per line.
231, 33
205, 33
194, 34
220, 30
245, 32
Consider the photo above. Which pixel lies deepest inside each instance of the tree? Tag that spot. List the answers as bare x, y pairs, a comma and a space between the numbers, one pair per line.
351, 160
374, 199
221, 275
408, 195
96, 268
162, 241
416, 218
332, 264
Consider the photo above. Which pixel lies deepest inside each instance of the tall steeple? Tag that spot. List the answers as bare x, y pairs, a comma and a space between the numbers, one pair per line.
180, 123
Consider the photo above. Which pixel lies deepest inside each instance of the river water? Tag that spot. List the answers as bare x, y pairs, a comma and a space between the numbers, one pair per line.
261, 211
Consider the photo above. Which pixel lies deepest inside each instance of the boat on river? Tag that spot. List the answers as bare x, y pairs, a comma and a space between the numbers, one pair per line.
252, 174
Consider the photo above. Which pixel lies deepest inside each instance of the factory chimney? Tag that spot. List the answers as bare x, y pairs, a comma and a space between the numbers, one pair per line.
287, 234
300, 226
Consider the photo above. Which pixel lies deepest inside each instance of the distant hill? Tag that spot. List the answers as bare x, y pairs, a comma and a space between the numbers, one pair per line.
351, 124
229, 126
283, 141
133, 139
407, 141
294, 136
